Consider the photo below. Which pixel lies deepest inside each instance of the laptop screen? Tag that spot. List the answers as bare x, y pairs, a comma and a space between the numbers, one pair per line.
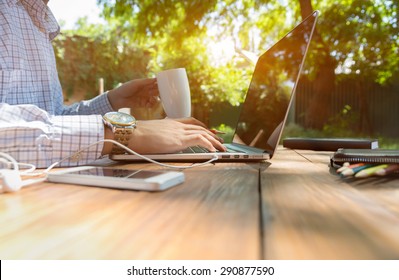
272, 87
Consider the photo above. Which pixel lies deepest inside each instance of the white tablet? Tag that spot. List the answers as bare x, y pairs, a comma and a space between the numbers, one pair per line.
108, 177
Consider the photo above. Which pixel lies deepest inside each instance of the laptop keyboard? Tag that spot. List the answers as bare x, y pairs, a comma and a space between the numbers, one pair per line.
195, 149
199, 149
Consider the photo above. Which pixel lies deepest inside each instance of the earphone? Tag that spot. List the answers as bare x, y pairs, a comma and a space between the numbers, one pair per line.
11, 181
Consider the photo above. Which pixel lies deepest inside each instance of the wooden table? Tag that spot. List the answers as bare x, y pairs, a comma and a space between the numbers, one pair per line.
293, 207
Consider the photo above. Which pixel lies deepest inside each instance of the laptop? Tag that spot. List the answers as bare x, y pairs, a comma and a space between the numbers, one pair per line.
266, 106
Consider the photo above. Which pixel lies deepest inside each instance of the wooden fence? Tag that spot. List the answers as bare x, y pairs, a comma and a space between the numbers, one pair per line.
379, 113
376, 105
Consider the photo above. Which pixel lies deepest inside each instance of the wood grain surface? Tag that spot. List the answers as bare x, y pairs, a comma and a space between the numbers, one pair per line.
311, 213
292, 207
213, 215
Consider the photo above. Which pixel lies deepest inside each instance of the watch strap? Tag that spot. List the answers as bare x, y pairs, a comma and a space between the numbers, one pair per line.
121, 135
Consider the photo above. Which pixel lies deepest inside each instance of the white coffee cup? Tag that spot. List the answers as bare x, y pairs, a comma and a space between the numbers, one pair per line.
174, 91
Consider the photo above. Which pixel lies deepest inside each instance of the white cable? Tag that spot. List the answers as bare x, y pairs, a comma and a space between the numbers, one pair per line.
30, 168
11, 163
214, 157
10, 160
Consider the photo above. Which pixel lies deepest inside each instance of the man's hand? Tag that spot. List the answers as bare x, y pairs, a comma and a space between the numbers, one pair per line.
169, 136
135, 93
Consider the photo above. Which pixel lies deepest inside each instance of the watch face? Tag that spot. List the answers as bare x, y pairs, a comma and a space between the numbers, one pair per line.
119, 118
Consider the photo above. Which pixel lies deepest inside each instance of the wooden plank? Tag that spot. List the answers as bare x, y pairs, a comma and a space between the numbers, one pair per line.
213, 215
383, 190
309, 212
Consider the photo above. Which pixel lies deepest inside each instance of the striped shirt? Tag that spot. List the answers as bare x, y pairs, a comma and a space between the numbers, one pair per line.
35, 126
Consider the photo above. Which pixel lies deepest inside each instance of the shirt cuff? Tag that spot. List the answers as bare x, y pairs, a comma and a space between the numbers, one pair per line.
75, 137
100, 104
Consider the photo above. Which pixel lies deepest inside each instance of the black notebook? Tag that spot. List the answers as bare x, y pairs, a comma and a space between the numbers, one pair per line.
377, 156
329, 144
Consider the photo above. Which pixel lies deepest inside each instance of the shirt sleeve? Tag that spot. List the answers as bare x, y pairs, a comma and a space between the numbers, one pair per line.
31, 135
98, 105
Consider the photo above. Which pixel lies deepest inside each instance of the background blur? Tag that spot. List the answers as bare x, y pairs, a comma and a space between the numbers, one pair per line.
350, 87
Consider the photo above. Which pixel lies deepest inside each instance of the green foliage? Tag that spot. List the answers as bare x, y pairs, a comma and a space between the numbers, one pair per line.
388, 143
158, 19
175, 34
228, 132
82, 61
363, 35
343, 124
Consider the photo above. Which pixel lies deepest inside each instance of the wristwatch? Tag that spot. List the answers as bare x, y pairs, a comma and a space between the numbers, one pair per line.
122, 126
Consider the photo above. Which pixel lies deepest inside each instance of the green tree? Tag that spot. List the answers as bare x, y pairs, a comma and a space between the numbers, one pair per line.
92, 52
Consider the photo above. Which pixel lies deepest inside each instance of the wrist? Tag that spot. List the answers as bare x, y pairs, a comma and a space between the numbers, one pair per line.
116, 98
108, 135
112, 99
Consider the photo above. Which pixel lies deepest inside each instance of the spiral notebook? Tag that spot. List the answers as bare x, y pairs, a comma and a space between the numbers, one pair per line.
377, 156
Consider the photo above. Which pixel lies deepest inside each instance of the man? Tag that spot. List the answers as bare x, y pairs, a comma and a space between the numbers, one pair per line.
36, 127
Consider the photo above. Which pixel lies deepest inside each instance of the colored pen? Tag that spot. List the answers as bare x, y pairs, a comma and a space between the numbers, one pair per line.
343, 167
388, 170
352, 171
347, 165
370, 171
